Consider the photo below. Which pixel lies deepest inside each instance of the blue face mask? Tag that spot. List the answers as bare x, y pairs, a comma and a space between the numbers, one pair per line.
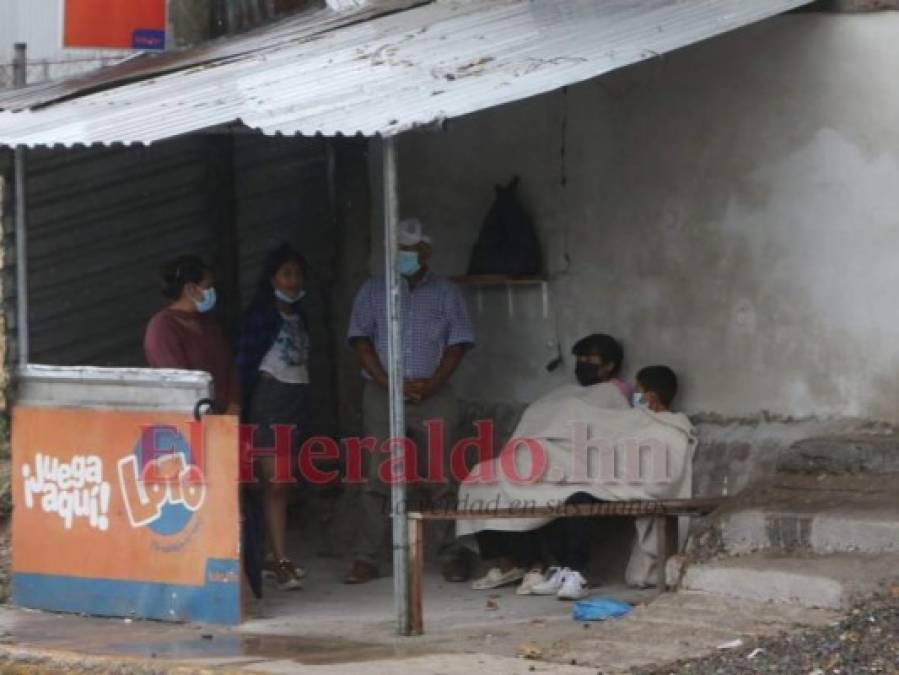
207, 302
407, 263
289, 299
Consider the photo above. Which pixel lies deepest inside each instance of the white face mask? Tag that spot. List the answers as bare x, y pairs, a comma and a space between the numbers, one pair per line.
289, 299
637, 399
206, 301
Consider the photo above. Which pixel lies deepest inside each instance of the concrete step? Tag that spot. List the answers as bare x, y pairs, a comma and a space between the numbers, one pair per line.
813, 514
829, 582
857, 454
832, 531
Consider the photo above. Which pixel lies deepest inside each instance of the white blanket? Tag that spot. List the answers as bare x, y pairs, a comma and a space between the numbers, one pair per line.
652, 454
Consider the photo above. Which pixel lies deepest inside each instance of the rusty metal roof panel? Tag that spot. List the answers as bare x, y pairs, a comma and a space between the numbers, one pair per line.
379, 74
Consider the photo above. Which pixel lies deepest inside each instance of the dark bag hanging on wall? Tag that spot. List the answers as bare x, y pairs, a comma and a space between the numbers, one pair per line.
508, 241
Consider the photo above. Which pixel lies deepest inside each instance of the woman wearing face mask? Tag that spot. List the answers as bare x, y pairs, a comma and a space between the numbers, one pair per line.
273, 359
186, 336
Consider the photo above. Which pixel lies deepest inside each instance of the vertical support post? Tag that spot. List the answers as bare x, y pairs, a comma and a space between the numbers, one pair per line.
20, 65
20, 79
416, 574
21, 258
396, 372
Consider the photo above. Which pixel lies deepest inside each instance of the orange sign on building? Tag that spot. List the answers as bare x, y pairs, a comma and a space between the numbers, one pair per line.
115, 24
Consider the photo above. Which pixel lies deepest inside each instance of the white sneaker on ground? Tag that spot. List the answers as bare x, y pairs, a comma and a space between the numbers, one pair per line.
531, 579
496, 578
552, 582
574, 586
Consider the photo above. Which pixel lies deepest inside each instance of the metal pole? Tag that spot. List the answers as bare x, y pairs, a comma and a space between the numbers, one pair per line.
20, 65
21, 258
397, 403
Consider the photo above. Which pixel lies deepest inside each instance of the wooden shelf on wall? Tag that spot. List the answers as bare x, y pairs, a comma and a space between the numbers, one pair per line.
481, 281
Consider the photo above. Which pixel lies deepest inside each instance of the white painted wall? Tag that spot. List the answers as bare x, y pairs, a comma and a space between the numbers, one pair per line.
732, 210
39, 24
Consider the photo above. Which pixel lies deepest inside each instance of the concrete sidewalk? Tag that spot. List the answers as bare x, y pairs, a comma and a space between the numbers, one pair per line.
335, 629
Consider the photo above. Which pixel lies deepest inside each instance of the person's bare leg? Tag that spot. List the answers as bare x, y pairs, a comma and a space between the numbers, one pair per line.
275, 497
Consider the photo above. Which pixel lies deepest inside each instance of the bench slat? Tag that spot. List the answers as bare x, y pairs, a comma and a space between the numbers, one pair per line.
670, 507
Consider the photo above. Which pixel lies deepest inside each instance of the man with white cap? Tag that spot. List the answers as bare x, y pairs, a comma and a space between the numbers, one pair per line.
436, 334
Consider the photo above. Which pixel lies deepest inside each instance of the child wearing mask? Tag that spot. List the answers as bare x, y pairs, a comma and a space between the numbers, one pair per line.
273, 358
655, 389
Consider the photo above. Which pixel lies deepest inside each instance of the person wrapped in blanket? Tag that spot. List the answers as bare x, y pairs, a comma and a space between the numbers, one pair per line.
513, 548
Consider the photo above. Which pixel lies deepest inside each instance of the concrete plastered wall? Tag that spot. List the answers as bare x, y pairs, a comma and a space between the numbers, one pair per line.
731, 210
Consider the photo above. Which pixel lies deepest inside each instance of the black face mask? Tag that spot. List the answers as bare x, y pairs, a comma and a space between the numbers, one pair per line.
587, 373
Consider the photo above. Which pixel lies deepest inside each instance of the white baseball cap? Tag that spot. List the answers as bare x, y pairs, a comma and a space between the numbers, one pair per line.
411, 233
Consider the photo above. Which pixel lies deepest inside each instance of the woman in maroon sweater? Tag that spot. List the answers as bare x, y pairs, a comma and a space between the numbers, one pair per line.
186, 336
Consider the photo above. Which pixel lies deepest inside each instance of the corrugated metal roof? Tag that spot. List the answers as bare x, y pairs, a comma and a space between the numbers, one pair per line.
303, 26
383, 75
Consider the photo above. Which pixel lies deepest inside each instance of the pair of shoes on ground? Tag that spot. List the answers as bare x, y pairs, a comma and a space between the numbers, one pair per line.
287, 576
564, 583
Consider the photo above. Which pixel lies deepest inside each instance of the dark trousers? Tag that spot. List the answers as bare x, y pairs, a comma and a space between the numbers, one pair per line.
374, 514
568, 539
522, 547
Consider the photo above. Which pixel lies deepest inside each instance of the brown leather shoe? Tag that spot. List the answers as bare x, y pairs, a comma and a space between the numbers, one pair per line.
455, 571
360, 573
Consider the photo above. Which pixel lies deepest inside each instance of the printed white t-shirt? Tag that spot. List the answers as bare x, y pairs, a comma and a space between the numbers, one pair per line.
287, 358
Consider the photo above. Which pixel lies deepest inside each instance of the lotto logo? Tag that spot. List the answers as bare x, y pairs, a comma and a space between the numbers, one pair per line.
161, 486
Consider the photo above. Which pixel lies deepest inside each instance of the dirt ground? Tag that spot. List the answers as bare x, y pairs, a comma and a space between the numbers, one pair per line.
866, 641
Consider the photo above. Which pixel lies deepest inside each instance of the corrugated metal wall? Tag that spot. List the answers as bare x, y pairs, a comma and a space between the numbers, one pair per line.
100, 223
282, 194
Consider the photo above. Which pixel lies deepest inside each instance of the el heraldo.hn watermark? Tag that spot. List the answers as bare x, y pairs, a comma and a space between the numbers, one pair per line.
322, 460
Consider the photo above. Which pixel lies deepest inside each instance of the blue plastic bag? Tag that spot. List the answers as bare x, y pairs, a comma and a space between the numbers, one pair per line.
600, 609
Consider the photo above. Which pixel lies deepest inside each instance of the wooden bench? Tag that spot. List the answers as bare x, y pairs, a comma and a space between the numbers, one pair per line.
664, 512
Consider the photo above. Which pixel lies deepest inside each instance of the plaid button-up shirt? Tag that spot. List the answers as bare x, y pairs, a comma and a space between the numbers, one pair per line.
433, 317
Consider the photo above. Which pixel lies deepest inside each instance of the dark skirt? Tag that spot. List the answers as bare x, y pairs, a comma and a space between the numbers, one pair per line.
273, 402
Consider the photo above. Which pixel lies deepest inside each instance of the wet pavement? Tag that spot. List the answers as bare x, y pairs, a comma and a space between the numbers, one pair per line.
92, 636
334, 629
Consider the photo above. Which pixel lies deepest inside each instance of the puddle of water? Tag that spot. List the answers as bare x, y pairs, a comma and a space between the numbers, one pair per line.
103, 637
302, 650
